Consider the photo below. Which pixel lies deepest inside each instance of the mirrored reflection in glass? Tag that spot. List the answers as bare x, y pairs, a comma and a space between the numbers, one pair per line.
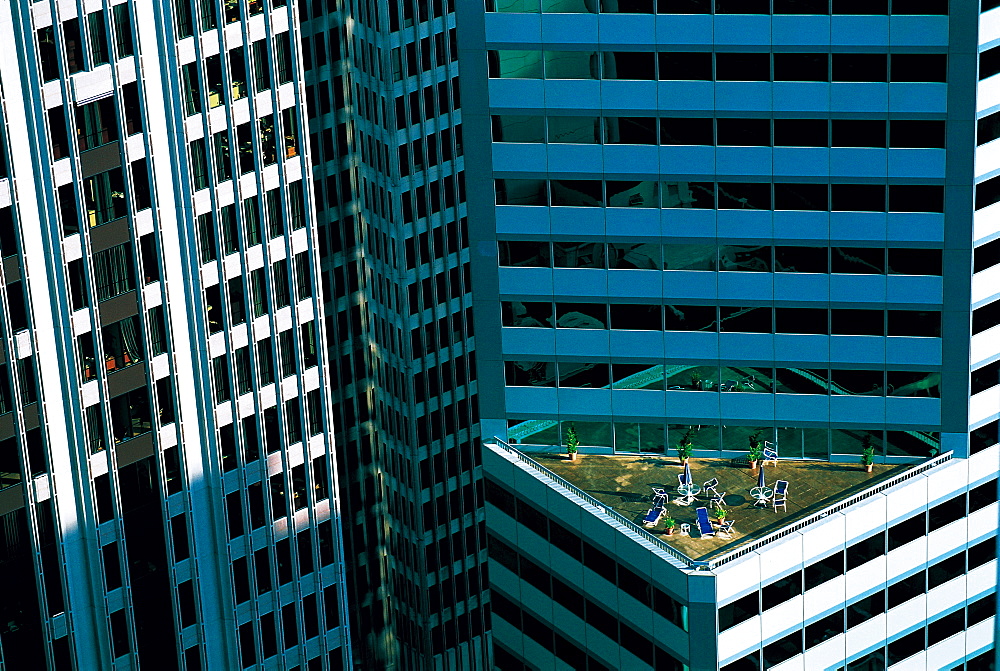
578, 254
530, 373
702, 436
860, 260
534, 431
690, 318
633, 194
575, 129
515, 63
740, 437
571, 64
801, 381
911, 383
852, 441
516, 128
745, 319
524, 254
569, 6
577, 192
637, 376
744, 196
746, 379
526, 314
688, 194
640, 437
581, 315
634, 255
576, 374
801, 260
521, 192
912, 443
744, 257
689, 257
591, 434
692, 378
630, 130
802, 443
858, 382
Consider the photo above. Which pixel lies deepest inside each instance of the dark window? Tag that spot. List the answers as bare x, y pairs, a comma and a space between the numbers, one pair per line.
945, 569
782, 649
857, 133
919, 68
865, 550
692, 66
801, 197
800, 67
945, 513
916, 134
744, 132
823, 629
780, 591
906, 589
801, 133
865, 608
740, 610
754, 67
859, 67
916, 198
947, 626
907, 646
906, 531
687, 131
744, 196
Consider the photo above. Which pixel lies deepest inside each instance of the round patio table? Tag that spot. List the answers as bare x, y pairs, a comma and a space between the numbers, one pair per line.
761, 495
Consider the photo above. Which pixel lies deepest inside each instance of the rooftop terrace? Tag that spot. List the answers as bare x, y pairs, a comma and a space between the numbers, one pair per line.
624, 483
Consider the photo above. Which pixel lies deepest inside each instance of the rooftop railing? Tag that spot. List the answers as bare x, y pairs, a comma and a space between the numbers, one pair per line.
743, 549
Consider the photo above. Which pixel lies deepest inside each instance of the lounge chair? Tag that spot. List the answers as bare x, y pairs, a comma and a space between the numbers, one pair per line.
704, 524
770, 454
781, 495
653, 517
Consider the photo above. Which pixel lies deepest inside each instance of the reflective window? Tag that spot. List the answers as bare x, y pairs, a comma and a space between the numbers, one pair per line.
633, 194
510, 128
574, 129
689, 257
688, 194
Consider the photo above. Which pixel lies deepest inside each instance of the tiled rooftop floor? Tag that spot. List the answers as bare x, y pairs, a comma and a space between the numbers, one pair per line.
625, 483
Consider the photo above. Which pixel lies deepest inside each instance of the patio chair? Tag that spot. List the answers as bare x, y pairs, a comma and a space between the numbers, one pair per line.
770, 454
711, 484
781, 495
660, 496
680, 479
726, 528
718, 498
685, 529
704, 524
653, 517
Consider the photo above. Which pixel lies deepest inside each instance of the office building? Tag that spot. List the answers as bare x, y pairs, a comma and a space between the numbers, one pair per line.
167, 469
386, 137
727, 225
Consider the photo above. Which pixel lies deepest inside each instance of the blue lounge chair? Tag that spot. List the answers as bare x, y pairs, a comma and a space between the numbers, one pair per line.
652, 518
704, 525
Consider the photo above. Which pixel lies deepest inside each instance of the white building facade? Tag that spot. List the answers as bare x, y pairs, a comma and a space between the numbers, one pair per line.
169, 492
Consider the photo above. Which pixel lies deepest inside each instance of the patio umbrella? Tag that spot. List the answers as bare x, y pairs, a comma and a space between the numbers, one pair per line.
688, 480
760, 477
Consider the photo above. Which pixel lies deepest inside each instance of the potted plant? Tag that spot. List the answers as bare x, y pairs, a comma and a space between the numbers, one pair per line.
684, 449
867, 453
720, 514
756, 452
572, 442
696, 381
670, 523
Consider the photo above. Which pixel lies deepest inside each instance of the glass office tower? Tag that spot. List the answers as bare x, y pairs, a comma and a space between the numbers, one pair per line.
386, 135
722, 224
167, 469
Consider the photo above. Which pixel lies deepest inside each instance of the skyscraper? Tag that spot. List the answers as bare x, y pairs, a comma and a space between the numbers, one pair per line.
724, 225
386, 136
167, 469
